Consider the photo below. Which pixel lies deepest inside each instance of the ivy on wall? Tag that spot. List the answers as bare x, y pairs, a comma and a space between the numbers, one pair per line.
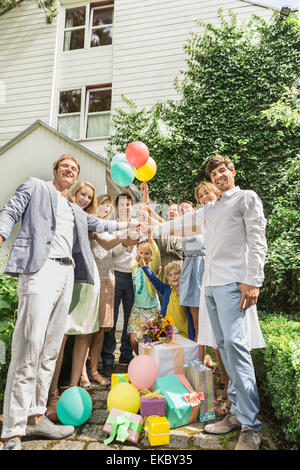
237, 78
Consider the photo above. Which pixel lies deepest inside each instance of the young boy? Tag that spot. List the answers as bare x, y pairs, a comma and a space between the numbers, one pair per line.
170, 297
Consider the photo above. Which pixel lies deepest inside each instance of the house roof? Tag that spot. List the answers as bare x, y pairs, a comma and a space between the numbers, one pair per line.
38, 123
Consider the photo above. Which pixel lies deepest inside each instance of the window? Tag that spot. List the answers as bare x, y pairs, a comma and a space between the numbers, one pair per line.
101, 26
94, 122
98, 112
69, 113
74, 28
88, 26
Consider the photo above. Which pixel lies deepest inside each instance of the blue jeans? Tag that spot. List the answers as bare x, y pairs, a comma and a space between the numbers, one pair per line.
123, 292
228, 326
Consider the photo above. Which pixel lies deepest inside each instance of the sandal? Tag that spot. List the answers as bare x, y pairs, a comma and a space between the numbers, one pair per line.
209, 363
52, 405
85, 383
104, 381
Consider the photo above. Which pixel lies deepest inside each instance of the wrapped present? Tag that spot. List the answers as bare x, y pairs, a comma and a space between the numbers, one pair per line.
158, 430
182, 402
152, 403
118, 378
123, 426
171, 357
201, 379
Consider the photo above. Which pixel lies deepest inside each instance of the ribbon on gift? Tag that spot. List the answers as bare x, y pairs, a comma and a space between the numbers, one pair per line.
193, 398
119, 428
148, 394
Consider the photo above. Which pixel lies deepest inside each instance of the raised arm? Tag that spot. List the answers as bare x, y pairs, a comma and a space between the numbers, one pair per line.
255, 226
15, 208
187, 225
158, 284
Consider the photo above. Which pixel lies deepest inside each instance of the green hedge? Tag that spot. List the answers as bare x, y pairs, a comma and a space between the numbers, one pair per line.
278, 372
8, 308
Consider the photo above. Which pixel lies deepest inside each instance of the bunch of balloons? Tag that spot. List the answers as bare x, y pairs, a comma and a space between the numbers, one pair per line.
135, 162
142, 372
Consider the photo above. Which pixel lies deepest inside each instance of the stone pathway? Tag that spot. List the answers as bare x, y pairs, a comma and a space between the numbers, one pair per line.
90, 436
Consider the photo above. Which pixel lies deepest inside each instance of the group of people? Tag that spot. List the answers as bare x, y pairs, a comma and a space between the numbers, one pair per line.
203, 267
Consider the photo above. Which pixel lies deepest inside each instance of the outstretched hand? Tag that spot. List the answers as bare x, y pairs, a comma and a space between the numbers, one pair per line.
249, 296
140, 260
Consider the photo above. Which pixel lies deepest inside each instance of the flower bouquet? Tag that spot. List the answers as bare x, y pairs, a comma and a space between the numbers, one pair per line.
155, 330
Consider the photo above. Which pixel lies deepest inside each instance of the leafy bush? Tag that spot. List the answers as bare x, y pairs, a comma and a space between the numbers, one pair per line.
237, 97
278, 372
8, 308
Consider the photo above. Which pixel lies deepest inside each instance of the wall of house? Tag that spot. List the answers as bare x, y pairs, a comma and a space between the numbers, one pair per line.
142, 63
27, 46
33, 155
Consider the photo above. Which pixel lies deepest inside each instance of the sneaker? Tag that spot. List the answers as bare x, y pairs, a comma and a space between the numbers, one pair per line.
124, 361
12, 444
222, 427
45, 428
249, 440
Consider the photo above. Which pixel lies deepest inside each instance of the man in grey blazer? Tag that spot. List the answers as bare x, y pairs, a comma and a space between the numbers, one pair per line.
52, 240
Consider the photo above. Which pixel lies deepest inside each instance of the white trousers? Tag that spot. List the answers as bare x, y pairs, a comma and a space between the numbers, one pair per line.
44, 300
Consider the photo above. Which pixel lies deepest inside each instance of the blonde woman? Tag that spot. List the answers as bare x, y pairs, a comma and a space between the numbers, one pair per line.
101, 248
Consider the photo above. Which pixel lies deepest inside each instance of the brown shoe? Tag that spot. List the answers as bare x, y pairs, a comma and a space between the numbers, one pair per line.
222, 427
249, 440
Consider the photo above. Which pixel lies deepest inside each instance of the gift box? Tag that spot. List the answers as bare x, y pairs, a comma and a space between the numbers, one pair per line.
118, 378
123, 426
182, 402
171, 357
158, 430
201, 379
152, 403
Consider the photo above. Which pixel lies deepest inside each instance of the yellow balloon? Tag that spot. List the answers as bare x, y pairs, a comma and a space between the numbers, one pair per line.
124, 396
147, 171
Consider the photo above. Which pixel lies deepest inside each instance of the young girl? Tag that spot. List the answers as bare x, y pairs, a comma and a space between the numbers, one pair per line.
170, 297
146, 303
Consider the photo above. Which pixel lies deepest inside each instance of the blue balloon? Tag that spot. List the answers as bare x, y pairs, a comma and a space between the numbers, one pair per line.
118, 157
74, 407
122, 173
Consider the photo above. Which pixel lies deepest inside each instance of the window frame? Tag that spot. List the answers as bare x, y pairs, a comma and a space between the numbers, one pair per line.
105, 86
88, 24
84, 103
92, 10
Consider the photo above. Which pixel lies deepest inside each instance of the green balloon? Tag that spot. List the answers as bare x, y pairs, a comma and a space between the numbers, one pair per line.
74, 407
122, 173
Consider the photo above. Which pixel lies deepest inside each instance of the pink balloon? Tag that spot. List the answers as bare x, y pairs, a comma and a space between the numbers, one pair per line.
142, 372
137, 154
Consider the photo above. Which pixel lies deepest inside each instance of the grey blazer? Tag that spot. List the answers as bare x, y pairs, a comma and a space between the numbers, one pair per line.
35, 201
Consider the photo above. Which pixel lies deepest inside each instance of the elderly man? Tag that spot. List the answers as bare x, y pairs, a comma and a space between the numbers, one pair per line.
236, 246
53, 238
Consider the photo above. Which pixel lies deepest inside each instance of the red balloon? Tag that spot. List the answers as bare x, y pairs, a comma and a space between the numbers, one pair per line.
137, 154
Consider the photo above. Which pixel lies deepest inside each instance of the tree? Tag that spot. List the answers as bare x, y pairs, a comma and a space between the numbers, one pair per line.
235, 73
49, 6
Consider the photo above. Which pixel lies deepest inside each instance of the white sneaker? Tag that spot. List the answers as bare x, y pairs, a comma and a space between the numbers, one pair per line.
45, 428
12, 444
222, 427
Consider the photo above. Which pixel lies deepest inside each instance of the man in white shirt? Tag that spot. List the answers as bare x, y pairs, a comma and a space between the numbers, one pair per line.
236, 249
235, 253
53, 238
123, 259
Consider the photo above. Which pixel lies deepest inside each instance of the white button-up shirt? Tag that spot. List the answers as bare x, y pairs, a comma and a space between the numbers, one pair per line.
235, 239
234, 230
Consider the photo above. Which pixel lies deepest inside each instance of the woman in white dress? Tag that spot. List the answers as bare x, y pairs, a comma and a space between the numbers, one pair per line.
206, 192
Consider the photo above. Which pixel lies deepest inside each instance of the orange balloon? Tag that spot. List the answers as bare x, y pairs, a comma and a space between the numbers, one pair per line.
147, 171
